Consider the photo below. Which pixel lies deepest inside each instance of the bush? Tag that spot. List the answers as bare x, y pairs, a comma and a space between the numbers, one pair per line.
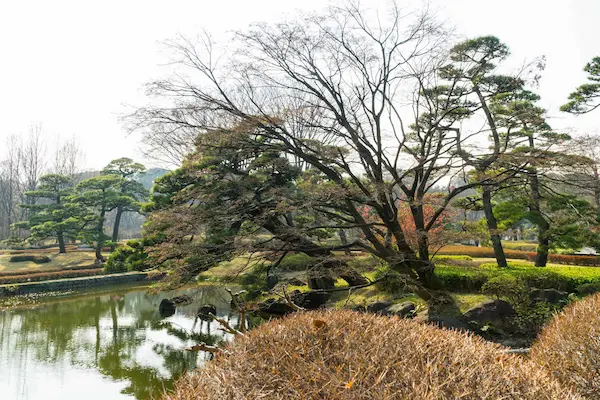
296, 262
393, 283
569, 349
530, 317
457, 278
255, 281
505, 287
130, 257
588, 288
348, 355
29, 257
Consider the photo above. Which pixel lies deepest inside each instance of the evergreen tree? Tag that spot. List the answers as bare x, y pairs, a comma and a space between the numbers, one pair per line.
51, 214
129, 189
100, 195
586, 97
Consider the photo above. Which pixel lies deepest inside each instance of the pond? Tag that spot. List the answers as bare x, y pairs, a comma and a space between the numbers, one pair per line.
109, 344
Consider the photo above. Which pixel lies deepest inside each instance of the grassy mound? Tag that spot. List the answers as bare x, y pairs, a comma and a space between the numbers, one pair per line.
348, 355
569, 347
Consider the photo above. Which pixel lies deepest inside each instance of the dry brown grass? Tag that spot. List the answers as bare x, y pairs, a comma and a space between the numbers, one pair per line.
348, 355
569, 347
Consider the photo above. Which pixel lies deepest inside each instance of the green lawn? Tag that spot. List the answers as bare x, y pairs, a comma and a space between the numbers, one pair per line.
63, 261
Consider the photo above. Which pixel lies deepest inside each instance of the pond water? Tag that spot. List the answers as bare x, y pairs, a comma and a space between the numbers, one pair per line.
109, 344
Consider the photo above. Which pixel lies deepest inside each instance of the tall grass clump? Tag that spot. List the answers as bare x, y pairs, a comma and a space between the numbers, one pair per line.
569, 347
347, 355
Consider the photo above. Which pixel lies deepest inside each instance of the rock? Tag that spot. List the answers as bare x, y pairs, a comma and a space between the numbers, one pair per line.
351, 276
166, 308
310, 300
295, 282
406, 309
320, 279
447, 322
551, 296
272, 307
498, 313
379, 307
182, 300
272, 280
205, 310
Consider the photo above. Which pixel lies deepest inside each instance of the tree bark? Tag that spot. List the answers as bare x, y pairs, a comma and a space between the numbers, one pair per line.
115, 234
344, 240
61, 243
541, 258
100, 233
492, 225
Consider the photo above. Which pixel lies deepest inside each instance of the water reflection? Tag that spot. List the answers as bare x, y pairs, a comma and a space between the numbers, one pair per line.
107, 345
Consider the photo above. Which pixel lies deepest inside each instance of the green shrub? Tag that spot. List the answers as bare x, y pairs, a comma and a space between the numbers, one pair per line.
506, 287
588, 288
130, 257
296, 262
391, 281
255, 281
458, 278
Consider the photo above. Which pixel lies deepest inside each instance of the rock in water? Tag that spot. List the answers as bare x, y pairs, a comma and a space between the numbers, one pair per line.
182, 300
205, 311
166, 308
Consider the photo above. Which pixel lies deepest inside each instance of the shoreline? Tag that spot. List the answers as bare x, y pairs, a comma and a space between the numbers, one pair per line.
76, 283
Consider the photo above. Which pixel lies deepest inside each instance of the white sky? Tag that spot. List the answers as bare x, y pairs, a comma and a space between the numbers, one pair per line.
74, 66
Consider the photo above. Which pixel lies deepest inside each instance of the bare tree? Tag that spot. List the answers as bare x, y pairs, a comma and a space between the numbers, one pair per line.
69, 159
33, 164
10, 184
359, 102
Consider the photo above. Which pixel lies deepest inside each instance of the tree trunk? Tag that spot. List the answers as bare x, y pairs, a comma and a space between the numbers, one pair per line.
541, 258
344, 240
100, 239
306, 246
492, 225
61, 243
115, 234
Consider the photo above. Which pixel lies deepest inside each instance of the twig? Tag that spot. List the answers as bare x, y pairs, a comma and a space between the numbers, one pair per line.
226, 327
209, 349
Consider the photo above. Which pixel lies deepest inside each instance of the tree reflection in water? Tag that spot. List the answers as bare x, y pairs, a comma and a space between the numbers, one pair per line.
117, 333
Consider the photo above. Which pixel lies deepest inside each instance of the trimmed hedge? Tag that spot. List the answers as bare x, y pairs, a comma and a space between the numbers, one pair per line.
457, 278
45, 276
30, 257
47, 270
488, 252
